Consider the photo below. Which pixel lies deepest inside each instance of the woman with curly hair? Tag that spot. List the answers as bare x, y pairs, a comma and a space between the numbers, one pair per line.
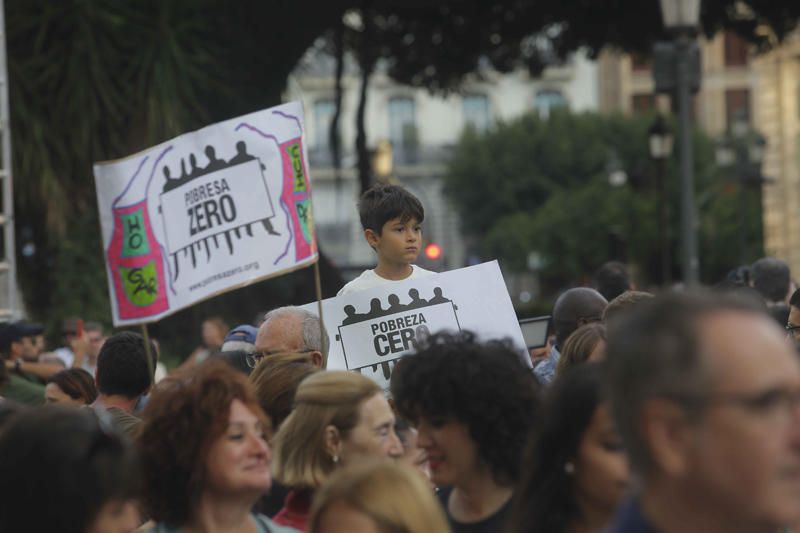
339, 418
205, 459
473, 405
575, 473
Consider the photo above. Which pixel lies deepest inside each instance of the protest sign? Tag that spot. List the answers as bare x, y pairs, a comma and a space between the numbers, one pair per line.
371, 329
205, 213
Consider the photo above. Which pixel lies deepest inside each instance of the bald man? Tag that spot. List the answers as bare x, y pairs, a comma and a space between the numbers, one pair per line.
573, 309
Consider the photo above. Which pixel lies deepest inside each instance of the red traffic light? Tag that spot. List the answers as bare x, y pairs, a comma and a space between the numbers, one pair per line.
433, 251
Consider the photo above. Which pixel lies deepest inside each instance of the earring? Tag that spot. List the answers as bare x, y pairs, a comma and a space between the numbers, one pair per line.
569, 468
335, 459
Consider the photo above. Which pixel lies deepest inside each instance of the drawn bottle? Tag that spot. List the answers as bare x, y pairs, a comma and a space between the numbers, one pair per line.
135, 257
296, 194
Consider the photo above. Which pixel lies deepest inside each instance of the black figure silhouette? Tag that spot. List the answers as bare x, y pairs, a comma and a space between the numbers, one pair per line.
416, 301
375, 309
241, 154
214, 164
195, 171
437, 297
394, 305
352, 316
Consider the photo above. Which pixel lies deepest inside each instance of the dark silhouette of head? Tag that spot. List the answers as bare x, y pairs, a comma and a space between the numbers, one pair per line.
122, 367
770, 276
575, 308
612, 279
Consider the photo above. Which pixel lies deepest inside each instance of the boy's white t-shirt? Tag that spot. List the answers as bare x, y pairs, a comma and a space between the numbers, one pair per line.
369, 279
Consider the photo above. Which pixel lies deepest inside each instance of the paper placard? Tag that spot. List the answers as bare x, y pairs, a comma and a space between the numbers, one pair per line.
371, 329
206, 212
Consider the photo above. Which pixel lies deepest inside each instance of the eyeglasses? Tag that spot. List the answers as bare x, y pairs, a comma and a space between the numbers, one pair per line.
252, 359
792, 331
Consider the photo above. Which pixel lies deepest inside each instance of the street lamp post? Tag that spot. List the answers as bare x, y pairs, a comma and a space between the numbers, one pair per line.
661, 140
681, 18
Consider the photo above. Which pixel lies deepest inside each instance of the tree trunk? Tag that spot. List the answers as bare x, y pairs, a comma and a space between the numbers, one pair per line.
366, 63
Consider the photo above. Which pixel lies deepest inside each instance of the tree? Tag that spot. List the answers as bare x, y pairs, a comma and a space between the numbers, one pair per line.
100, 79
542, 185
435, 44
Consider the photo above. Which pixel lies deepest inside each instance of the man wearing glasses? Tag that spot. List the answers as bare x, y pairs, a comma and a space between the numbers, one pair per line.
291, 330
793, 323
705, 392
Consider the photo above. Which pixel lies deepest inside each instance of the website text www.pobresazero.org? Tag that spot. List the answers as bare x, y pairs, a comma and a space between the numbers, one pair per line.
224, 274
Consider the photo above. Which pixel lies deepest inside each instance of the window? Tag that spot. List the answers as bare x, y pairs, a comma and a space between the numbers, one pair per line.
737, 106
640, 62
548, 99
736, 50
402, 123
476, 111
642, 103
323, 114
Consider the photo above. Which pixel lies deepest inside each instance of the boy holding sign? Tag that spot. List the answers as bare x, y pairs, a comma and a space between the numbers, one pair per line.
391, 217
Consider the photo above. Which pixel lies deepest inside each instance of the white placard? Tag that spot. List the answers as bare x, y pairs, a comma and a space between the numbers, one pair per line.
205, 213
371, 329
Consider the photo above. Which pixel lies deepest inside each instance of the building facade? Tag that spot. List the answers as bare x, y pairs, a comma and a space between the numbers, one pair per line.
422, 129
736, 84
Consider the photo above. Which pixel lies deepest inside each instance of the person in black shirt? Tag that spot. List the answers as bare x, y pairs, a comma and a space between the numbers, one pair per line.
473, 405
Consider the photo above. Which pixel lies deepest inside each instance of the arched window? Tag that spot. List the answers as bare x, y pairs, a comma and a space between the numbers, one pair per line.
548, 99
476, 111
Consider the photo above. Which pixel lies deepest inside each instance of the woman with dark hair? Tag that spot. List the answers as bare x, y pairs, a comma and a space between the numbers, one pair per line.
575, 472
473, 405
205, 458
83, 474
73, 386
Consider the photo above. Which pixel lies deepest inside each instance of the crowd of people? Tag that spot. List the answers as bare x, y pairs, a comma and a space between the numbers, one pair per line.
676, 412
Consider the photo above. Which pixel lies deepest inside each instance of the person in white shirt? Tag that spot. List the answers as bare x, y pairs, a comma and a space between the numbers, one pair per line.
392, 218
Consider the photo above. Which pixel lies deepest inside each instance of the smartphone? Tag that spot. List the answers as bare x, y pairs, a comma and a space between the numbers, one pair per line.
79, 328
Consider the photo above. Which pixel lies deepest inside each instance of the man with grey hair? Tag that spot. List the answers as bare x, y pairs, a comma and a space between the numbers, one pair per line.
293, 330
705, 393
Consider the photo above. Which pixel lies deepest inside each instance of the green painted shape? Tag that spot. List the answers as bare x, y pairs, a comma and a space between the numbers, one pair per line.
140, 284
134, 237
296, 158
303, 208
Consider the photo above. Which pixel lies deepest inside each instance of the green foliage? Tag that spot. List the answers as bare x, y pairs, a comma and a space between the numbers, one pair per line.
93, 80
543, 185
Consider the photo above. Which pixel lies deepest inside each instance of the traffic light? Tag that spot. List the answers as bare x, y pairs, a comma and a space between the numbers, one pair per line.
433, 251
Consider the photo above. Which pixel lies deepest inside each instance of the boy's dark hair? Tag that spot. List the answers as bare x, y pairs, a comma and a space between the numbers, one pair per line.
381, 203
485, 386
122, 365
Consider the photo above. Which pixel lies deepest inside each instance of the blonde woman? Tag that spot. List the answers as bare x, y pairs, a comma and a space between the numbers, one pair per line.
377, 496
586, 345
339, 418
